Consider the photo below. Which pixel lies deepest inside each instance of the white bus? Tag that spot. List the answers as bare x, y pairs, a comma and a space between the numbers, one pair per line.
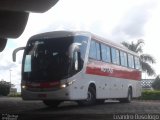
78, 66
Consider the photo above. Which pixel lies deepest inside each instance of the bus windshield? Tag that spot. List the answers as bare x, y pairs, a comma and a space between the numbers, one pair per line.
49, 60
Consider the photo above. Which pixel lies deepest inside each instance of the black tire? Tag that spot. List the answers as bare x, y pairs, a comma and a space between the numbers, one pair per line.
91, 98
51, 103
129, 97
100, 101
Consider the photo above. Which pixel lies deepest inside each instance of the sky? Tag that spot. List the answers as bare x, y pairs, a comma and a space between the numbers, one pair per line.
116, 20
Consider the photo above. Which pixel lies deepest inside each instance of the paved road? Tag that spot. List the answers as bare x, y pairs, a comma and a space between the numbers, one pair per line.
15, 106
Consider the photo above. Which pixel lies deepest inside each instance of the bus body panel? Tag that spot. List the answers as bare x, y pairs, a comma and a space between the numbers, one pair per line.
105, 88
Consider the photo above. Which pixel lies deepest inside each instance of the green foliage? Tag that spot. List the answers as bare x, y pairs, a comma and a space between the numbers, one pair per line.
4, 88
136, 47
150, 95
156, 83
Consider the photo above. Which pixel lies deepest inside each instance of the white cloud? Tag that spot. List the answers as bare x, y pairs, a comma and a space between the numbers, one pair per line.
152, 37
133, 23
6, 65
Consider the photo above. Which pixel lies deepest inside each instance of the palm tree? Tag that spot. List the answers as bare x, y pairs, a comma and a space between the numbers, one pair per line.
145, 59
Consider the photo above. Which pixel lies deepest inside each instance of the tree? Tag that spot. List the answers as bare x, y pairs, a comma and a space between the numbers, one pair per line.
156, 83
145, 59
4, 88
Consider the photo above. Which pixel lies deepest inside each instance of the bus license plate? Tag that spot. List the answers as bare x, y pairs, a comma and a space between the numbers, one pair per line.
42, 95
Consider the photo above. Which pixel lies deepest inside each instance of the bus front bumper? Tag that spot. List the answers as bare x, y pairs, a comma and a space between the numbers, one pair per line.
61, 94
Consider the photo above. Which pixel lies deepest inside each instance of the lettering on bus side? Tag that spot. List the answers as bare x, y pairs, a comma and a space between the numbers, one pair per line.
108, 70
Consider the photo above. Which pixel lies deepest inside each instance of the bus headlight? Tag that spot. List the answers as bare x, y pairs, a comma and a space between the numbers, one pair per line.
64, 85
23, 87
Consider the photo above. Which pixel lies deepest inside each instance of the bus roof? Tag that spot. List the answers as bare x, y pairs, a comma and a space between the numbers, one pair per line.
55, 34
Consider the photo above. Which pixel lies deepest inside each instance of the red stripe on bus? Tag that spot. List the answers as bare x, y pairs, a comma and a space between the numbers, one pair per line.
110, 70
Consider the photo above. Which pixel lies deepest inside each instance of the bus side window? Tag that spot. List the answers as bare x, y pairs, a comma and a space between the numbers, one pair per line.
130, 61
137, 63
105, 50
94, 52
83, 40
115, 56
123, 57
98, 51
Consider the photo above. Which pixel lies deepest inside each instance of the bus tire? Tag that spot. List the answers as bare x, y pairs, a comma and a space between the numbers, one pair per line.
100, 101
91, 97
129, 97
51, 103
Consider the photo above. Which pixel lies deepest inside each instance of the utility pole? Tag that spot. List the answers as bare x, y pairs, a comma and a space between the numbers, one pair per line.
10, 76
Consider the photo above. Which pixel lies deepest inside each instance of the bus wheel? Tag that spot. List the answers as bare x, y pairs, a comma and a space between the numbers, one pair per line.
129, 97
91, 97
100, 101
51, 103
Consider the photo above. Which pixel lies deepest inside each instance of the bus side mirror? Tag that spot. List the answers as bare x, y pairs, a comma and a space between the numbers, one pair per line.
15, 52
76, 63
74, 54
77, 60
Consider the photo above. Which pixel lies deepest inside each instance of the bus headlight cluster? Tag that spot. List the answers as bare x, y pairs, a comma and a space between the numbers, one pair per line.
23, 87
64, 85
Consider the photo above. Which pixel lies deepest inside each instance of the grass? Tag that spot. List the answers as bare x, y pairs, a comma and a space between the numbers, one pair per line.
150, 95
15, 95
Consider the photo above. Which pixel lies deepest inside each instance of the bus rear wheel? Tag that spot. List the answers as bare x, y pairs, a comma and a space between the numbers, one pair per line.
51, 103
91, 97
129, 97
